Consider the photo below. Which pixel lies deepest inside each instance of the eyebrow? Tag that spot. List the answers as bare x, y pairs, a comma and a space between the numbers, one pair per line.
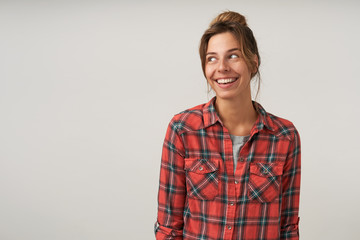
230, 50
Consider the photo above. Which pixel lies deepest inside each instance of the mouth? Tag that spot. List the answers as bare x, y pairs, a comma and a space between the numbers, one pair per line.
226, 83
226, 80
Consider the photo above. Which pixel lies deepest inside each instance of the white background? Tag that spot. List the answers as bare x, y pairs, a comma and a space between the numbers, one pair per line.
87, 89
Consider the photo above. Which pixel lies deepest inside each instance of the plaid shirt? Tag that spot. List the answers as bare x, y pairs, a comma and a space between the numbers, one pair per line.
201, 198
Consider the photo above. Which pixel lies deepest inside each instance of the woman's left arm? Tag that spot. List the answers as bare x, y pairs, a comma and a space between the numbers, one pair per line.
291, 191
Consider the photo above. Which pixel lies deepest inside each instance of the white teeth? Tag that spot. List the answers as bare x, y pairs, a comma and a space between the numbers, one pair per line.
227, 80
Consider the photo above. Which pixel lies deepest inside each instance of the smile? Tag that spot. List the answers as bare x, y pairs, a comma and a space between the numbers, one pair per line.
225, 80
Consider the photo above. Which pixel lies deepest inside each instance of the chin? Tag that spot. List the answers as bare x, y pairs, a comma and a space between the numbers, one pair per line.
226, 96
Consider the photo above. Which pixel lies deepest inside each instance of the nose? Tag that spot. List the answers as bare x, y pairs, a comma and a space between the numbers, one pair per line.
223, 66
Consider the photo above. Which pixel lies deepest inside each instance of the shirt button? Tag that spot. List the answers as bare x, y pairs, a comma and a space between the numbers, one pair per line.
229, 227
232, 203
236, 182
201, 168
241, 159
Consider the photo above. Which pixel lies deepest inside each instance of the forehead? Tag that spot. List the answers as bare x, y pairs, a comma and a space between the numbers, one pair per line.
222, 42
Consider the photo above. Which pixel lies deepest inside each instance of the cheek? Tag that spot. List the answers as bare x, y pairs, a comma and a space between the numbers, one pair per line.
208, 72
243, 68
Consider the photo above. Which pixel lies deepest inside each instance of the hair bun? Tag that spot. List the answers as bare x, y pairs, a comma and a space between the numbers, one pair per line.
229, 16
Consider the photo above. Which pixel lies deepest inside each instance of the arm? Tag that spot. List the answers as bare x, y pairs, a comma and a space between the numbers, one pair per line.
172, 191
291, 191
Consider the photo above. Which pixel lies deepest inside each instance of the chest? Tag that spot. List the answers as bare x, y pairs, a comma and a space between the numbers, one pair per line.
215, 143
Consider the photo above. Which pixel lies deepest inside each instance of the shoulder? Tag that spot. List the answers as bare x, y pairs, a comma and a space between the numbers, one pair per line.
190, 119
283, 127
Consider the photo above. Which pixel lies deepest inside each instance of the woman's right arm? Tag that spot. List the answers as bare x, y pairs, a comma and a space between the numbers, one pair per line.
172, 188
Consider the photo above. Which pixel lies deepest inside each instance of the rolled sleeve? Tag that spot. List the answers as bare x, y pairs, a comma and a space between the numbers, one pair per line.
291, 191
171, 195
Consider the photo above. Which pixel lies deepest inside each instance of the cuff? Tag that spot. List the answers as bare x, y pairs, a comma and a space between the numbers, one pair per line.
290, 231
165, 233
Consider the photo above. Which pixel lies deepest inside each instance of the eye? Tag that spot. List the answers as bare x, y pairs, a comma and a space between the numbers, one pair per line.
232, 56
211, 59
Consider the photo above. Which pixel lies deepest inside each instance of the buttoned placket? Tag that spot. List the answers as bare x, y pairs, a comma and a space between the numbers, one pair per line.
234, 186
231, 186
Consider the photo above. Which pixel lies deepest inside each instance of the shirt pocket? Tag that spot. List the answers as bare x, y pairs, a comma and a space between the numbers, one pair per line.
264, 181
202, 178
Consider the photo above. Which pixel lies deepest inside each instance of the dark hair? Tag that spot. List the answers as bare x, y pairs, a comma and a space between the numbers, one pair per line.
234, 23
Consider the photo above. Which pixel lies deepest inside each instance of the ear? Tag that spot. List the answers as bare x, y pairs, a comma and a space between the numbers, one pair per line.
256, 60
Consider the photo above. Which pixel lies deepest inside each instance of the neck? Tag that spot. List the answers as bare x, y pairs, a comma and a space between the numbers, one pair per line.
237, 114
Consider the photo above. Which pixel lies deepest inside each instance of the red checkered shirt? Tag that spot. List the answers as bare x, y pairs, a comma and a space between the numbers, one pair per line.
201, 198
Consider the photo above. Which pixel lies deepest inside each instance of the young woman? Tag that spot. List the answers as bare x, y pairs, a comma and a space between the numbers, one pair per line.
229, 169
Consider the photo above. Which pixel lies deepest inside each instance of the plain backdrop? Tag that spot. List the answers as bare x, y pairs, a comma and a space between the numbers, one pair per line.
87, 89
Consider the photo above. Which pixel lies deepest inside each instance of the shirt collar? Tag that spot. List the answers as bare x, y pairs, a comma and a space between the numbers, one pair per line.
210, 116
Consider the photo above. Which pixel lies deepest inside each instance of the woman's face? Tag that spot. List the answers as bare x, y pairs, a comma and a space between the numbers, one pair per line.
225, 68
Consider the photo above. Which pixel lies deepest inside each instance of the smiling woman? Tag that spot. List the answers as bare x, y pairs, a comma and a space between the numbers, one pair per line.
225, 68
243, 40
229, 169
